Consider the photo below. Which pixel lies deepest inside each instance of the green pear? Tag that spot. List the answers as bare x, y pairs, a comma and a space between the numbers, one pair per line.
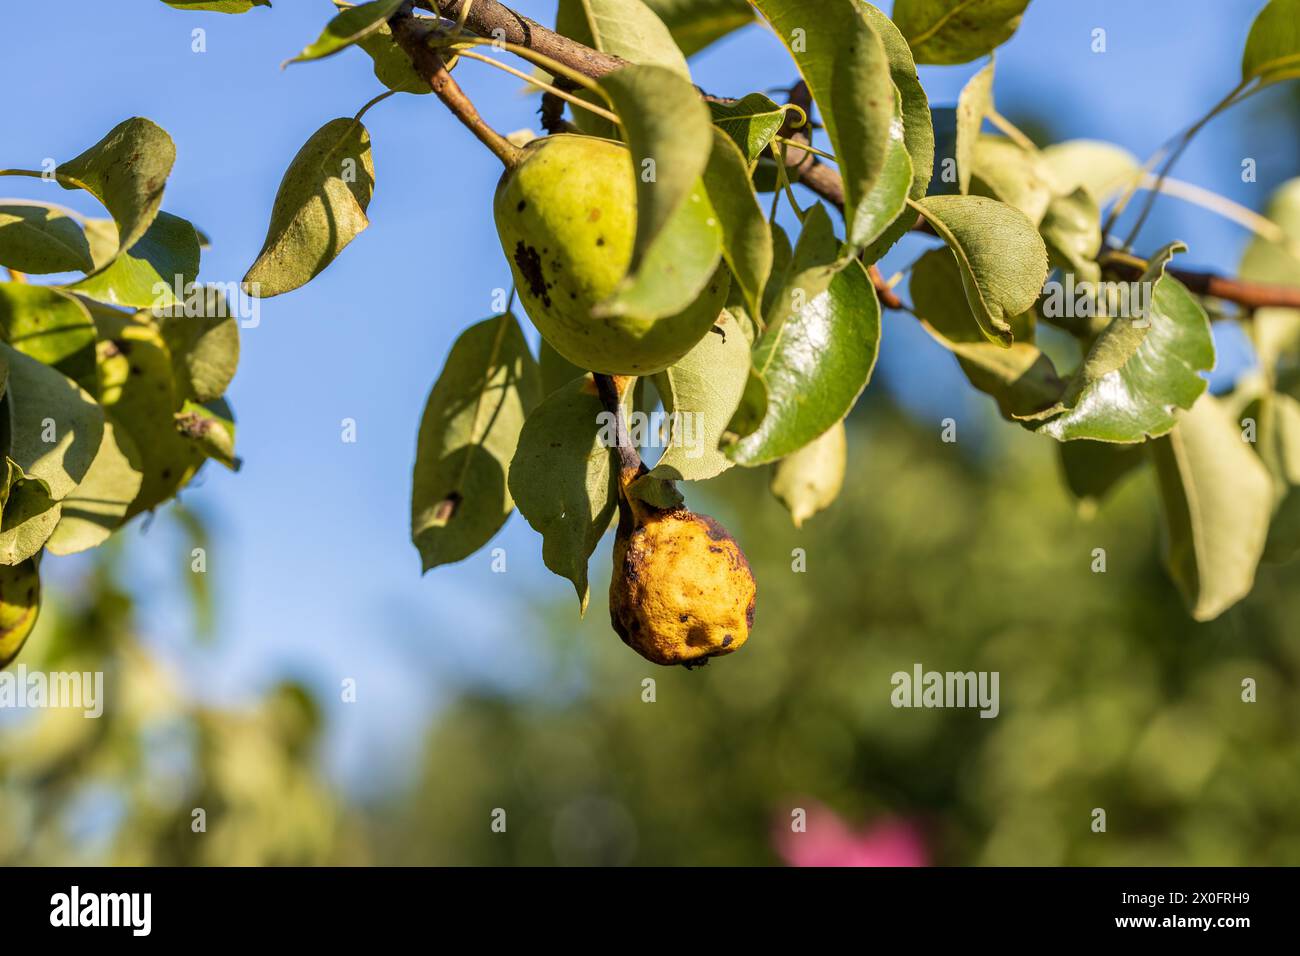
566, 217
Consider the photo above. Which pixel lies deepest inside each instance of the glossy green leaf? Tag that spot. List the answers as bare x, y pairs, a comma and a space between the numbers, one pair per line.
678, 243
55, 426
40, 239
624, 28
150, 273
98, 506
957, 31
817, 353
1020, 378
1272, 51
844, 63
51, 327
810, 479
751, 121
1002, 258
348, 27
701, 392
694, 24
126, 171
319, 208
746, 236
1142, 367
468, 436
917, 125
1218, 499
564, 480
974, 103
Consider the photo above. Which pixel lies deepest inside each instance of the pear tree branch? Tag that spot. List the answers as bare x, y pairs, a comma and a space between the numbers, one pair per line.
493, 20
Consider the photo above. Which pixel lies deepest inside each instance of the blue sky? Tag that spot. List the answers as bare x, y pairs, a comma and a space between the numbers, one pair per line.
311, 558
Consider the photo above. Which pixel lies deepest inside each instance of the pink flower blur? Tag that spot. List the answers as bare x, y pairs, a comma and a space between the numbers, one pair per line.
829, 841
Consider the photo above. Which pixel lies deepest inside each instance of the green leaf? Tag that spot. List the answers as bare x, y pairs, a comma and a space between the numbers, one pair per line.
1141, 367
1273, 46
126, 171
884, 205
917, 125
974, 103
844, 63
51, 327
98, 506
746, 236
1277, 441
393, 67
20, 605
1002, 258
1002, 170
957, 31
811, 478
1093, 468
1020, 378
817, 353
678, 237
468, 436
624, 28
347, 28
701, 393
55, 427
138, 389
564, 480
146, 275
319, 208
218, 6
694, 24
1071, 229
40, 239
1103, 169
1218, 499
202, 336
751, 122
28, 515
782, 257
555, 368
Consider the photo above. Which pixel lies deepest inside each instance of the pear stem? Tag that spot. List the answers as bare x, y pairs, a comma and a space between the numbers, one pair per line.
611, 390
429, 64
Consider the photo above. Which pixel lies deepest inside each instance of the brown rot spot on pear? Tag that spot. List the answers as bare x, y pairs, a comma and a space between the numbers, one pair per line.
530, 267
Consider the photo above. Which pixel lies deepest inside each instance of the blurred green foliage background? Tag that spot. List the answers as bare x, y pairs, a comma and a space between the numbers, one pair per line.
1111, 697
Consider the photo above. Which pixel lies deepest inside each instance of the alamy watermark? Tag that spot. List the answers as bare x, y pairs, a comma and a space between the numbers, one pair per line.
193, 300
1085, 299
21, 689
656, 429
922, 688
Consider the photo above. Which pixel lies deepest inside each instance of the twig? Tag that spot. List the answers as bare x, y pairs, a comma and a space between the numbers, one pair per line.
410, 35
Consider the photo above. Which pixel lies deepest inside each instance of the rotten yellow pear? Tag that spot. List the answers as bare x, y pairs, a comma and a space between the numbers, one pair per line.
566, 217
682, 590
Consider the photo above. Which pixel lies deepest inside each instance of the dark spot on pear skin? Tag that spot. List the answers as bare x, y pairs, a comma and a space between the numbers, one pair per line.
726, 641
530, 267
523, 204
600, 240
